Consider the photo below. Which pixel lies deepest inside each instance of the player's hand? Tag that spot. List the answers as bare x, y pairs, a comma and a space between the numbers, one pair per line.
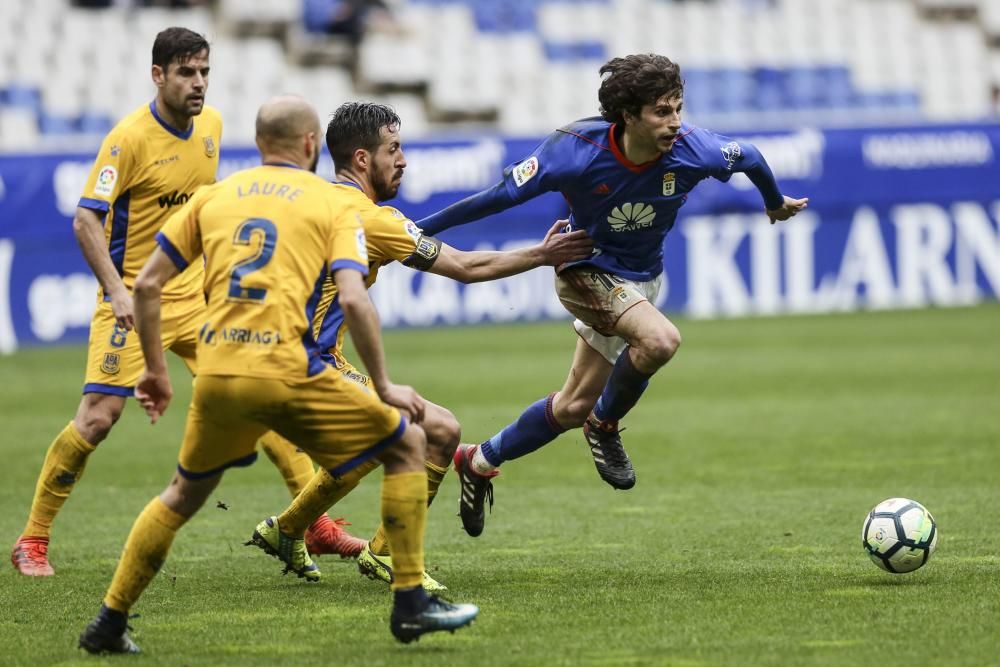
153, 391
406, 398
559, 246
121, 306
790, 208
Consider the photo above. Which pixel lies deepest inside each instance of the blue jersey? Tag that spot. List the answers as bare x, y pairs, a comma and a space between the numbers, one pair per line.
626, 208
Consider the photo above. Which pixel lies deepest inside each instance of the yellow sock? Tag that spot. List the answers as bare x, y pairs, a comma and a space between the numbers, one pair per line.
319, 495
295, 466
435, 473
63, 467
145, 550
404, 515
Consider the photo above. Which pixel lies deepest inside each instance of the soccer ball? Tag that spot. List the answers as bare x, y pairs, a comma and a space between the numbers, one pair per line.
899, 535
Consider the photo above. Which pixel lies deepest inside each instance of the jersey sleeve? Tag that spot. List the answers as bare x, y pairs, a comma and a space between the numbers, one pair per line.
391, 235
546, 170
348, 245
111, 174
180, 236
724, 156
394, 237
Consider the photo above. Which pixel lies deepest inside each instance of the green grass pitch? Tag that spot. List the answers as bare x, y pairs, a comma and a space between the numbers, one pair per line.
758, 450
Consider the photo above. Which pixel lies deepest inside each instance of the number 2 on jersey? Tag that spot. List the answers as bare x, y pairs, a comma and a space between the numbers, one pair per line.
244, 236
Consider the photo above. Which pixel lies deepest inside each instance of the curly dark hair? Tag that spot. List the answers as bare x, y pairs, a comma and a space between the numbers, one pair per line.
357, 125
177, 45
632, 82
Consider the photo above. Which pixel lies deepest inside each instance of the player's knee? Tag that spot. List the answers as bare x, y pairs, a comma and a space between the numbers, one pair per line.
94, 420
444, 434
660, 348
572, 411
407, 453
186, 497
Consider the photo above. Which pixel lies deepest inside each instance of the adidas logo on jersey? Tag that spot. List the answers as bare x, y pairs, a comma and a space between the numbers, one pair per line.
631, 217
173, 199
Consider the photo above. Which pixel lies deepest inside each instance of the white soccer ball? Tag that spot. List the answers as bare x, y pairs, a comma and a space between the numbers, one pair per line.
899, 534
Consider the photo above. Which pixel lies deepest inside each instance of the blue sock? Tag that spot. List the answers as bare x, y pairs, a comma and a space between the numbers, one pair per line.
624, 387
536, 426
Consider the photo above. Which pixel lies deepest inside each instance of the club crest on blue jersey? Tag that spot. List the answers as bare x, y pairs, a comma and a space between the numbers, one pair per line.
110, 363
669, 183
209, 146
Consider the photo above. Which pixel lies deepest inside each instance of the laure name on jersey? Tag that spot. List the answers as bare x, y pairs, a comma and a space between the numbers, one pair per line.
268, 189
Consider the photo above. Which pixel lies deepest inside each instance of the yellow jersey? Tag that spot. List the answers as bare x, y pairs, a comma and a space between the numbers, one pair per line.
145, 169
392, 237
271, 237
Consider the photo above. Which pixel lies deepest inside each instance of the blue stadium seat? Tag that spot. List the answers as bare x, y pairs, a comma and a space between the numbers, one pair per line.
509, 16
770, 90
698, 90
732, 89
52, 124
837, 89
23, 96
803, 88
91, 122
563, 51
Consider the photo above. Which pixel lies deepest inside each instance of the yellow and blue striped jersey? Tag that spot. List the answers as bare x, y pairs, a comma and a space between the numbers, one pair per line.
271, 237
145, 169
392, 237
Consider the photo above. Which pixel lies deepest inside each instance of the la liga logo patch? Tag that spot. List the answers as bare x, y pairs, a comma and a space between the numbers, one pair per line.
106, 179
525, 171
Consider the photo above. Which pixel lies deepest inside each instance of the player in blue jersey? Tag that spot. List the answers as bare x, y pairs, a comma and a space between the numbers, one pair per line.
625, 175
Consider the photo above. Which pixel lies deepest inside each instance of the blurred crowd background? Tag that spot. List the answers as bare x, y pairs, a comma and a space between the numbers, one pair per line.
70, 68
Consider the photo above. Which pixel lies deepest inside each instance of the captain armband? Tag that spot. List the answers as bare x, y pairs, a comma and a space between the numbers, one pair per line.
425, 254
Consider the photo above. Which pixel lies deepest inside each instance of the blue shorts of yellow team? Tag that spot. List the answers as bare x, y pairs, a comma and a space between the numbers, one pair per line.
338, 422
114, 356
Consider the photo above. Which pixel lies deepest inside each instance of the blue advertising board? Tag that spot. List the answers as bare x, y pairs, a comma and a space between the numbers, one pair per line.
898, 217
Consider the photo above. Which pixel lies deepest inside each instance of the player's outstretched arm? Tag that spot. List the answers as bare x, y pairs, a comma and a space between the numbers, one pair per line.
471, 208
89, 231
153, 391
788, 209
363, 324
558, 247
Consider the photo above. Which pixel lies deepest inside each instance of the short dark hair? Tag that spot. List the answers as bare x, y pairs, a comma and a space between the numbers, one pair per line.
632, 82
177, 45
357, 125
